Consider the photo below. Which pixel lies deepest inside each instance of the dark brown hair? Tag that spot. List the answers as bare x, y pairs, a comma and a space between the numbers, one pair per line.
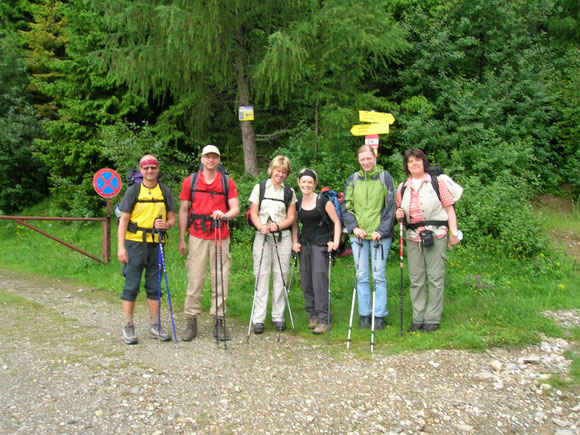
415, 152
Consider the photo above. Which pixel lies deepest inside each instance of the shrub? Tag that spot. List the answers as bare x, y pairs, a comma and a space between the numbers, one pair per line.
498, 217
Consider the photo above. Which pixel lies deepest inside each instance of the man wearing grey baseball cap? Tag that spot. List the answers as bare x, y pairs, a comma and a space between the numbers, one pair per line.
209, 200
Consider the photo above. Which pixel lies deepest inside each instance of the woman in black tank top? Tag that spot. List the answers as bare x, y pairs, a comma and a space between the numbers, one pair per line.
318, 237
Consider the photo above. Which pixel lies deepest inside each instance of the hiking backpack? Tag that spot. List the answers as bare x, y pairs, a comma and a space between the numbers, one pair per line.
135, 177
203, 218
336, 198
436, 173
287, 200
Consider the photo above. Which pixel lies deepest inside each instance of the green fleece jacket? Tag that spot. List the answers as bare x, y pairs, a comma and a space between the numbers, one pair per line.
369, 202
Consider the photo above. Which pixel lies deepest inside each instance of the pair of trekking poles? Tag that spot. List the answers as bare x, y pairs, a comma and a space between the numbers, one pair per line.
286, 289
163, 272
376, 246
330, 257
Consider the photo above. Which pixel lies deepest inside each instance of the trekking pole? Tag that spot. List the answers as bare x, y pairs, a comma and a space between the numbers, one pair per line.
283, 286
162, 256
328, 314
401, 257
160, 270
223, 287
215, 247
376, 246
358, 242
256, 287
295, 255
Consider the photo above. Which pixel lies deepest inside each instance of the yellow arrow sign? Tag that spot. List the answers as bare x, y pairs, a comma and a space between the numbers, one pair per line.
377, 117
364, 129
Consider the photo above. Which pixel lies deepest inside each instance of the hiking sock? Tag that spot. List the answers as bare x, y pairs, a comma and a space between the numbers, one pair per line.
127, 319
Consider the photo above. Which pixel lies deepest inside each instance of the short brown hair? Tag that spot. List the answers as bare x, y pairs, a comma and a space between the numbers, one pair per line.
415, 152
281, 162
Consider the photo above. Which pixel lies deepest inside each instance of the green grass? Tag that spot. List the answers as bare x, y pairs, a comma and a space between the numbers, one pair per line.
562, 220
489, 301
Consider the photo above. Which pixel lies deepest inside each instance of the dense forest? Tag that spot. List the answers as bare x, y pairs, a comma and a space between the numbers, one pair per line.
489, 89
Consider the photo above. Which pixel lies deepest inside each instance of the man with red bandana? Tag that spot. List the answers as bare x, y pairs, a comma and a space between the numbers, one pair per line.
146, 208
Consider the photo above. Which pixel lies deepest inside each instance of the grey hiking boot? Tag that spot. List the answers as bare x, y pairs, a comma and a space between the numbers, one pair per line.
313, 322
380, 323
190, 329
220, 329
364, 322
279, 326
157, 331
129, 336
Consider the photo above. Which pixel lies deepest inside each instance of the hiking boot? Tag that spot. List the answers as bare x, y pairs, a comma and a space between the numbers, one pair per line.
258, 328
129, 336
364, 322
313, 322
157, 331
279, 326
190, 329
380, 323
219, 329
321, 328
430, 327
415, 327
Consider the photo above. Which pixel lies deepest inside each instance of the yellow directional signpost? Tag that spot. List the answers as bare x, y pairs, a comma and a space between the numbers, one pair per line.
379, 123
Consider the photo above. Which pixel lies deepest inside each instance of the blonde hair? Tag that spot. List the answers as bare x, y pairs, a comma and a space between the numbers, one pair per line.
281, 162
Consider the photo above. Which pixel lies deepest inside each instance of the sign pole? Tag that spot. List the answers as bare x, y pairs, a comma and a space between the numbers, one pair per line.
107, 183
107, 233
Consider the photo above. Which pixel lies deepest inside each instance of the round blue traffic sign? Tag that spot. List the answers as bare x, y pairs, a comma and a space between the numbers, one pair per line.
107, 183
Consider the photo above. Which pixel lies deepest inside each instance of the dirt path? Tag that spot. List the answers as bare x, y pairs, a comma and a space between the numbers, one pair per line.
64, 369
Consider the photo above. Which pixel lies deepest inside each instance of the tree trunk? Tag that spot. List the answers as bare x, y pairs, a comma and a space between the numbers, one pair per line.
247, 127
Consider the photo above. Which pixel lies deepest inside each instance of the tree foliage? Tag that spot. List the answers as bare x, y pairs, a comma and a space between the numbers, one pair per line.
489, 89
23, 180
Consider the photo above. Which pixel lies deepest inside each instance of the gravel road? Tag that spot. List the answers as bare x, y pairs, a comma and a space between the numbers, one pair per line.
64, 369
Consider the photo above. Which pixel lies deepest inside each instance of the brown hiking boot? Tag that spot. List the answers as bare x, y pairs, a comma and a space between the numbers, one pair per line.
313, 322
321, 328
220, 329
190, 329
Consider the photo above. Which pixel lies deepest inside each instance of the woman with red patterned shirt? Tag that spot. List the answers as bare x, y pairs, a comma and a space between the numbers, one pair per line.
431, 227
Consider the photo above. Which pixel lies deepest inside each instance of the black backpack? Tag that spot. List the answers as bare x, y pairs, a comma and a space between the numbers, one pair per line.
203, 218
287, 200
335, 199
134, 176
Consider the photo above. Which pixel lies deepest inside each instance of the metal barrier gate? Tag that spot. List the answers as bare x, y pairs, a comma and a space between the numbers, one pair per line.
22, 220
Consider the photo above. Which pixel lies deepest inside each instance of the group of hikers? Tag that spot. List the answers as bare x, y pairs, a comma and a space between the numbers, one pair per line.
307, 227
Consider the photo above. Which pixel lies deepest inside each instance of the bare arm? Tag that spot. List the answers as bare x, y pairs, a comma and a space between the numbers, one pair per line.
452, 220
333, 215
121, 232
290, 217
294, 230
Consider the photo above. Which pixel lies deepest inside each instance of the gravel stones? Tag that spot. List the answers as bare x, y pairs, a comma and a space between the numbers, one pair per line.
65, 369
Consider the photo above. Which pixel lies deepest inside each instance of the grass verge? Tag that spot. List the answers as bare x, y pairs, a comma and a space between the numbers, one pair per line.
489, 301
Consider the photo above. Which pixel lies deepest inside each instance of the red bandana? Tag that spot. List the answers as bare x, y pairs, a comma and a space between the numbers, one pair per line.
152, 161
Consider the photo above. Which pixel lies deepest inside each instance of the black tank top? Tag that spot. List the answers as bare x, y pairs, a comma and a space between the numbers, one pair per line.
312, 224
